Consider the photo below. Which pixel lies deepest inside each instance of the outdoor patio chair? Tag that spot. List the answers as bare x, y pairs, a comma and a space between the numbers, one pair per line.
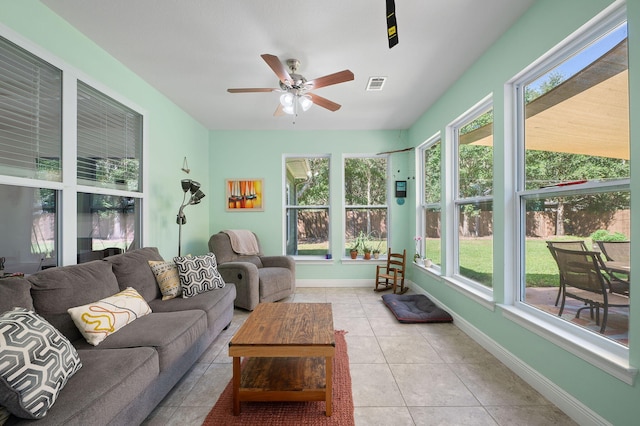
582, 278
617, 251
392, 275
569, 245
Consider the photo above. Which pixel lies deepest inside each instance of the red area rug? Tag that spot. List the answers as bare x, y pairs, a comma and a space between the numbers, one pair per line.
293, 413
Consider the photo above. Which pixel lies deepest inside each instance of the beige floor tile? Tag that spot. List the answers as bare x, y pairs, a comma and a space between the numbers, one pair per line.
530, 416
460, 348
355, 326
387, 327
431, 385
382, 416
447, 416
348, 310
494, 384
408, 350
364, 350
373, 385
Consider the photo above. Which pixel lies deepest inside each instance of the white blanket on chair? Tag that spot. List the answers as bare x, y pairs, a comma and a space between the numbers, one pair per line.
243, 241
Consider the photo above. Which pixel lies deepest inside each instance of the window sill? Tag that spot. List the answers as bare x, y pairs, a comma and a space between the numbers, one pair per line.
599, 352
360, 261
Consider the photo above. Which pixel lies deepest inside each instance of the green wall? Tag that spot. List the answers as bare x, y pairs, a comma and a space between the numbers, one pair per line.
259, 154
171, 133
544, 25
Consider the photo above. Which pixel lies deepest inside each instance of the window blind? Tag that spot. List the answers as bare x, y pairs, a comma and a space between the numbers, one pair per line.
109, 141
30, 115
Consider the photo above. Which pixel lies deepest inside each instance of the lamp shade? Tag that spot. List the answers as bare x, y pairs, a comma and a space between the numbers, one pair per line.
305, 102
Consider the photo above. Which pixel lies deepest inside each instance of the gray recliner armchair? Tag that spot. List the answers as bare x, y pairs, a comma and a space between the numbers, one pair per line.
258, 278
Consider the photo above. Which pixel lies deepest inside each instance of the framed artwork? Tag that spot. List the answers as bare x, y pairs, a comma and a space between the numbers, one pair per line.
244, 195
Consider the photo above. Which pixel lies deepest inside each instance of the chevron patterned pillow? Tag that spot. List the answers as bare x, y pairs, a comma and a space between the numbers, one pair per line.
36, 361
198, 274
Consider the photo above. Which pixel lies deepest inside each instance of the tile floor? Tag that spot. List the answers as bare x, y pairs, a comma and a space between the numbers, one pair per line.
402, 374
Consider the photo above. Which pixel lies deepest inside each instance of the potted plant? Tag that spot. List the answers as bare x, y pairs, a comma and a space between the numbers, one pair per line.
376, 253
367, 252
354, 251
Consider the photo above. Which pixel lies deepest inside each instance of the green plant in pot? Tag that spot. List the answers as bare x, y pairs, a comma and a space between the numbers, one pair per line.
367, 252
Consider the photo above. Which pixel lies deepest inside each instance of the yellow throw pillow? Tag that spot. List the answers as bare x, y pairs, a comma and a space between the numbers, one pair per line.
99, 319
167, 277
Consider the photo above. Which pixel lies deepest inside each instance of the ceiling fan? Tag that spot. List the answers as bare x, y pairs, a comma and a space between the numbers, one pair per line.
296, 89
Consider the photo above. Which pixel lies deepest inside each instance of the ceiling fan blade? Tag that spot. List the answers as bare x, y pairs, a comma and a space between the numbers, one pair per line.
324, 102
279, 111
278, 68
251, 90
328, 80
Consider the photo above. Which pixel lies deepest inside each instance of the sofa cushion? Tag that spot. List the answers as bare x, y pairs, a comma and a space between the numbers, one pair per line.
106, 384
213, 303
132, 270
171, 334
36, 362
198, 274
57, 289
99, 319
15, 292
167, 277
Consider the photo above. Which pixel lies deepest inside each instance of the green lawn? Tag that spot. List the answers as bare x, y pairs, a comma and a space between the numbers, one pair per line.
476, 261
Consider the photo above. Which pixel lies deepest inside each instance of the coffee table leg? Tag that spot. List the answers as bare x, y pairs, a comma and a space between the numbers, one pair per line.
328, 385
236, 385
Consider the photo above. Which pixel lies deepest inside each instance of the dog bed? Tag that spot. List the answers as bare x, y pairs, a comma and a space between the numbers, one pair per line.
415, 308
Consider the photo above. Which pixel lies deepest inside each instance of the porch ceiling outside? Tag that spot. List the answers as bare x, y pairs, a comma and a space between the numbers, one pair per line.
586, 114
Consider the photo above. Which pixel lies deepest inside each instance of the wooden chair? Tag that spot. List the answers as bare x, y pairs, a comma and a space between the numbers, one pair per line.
392, 275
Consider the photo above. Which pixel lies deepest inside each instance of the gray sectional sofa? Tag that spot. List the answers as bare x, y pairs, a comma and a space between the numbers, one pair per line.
124, 377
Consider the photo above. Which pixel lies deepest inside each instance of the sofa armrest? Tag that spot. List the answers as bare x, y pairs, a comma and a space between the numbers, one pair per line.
245, 276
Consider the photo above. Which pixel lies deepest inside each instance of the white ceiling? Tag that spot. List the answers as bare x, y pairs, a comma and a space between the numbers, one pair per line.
193, 50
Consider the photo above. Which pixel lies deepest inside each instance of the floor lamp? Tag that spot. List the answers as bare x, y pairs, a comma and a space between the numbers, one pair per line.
193, 187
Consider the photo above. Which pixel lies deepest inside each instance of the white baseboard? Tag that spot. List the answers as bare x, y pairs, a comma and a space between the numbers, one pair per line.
367, 282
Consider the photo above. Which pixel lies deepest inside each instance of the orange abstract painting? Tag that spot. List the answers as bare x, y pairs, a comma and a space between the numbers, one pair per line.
244, 195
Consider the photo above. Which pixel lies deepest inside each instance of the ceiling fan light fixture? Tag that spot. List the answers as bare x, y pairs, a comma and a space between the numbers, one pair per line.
286, 100
305, 102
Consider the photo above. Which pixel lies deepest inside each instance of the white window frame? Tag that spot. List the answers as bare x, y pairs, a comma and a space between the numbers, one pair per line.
599, 351
286, 206
68, 188
473, 289
345, 206
422, 204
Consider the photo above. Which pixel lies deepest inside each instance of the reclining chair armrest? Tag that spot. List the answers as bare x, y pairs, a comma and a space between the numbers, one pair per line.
281, 262
278, 262
245, 276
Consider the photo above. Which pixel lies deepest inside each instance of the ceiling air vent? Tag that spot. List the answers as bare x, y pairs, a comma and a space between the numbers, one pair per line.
375, 84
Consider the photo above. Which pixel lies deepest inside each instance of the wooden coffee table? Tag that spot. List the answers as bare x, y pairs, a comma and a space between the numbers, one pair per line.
290, 349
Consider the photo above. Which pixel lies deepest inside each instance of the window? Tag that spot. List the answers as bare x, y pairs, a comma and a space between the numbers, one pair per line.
307, 206
365, 199
473, 199
29, 228
30, 115
34, 175
109, 156
574, 174
30, 153
431, 155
